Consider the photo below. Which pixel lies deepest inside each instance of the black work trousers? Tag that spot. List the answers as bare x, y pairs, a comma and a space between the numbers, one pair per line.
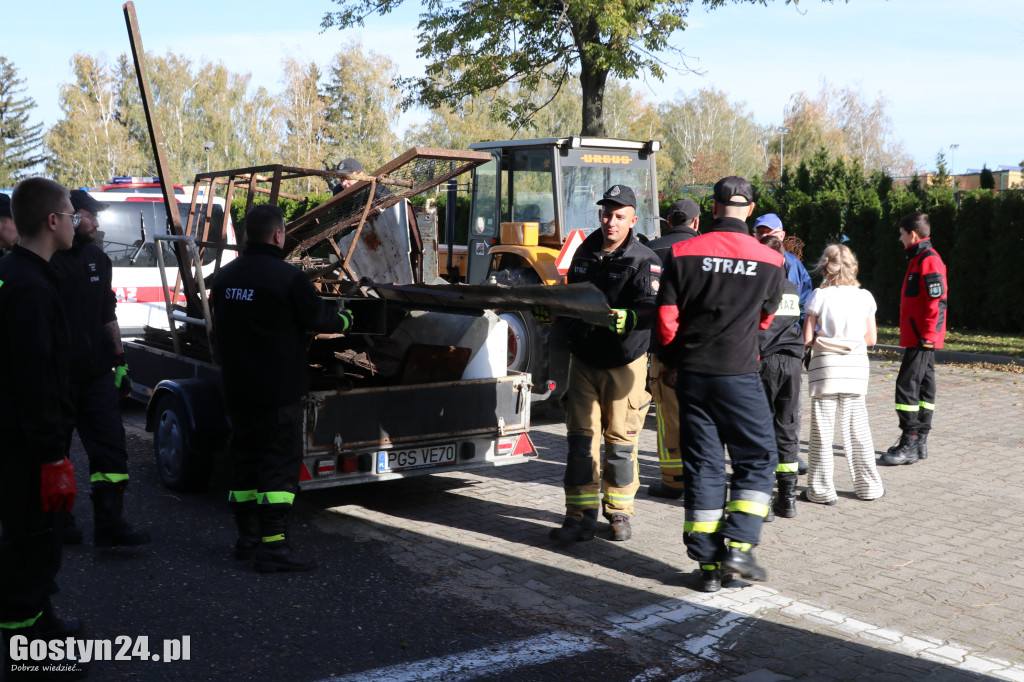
30, 547
781, 378
266, 453
730, 411
99, 425
915, 391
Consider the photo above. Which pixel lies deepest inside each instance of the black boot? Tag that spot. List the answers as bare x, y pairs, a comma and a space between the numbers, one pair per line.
922, 446
248, 523
711, 577
575, 530
770, 516
274, 553
801, 465
740, 559
904, 452
785, 500
111, 528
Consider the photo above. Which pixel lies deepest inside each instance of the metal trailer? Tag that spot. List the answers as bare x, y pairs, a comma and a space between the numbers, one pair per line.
454, 406
447, 403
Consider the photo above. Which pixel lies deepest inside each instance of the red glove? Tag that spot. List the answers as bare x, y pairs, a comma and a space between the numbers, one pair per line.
57, 489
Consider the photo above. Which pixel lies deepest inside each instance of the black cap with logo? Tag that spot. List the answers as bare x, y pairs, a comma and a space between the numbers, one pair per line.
619, 194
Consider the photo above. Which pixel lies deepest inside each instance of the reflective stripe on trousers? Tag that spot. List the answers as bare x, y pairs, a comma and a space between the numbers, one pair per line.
618, 399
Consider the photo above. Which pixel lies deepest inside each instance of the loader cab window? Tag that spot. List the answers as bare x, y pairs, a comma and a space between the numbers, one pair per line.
530, 183
585, 177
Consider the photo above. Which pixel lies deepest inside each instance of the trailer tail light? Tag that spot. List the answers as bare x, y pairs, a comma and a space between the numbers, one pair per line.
325, 467
551, 385
304, 473
516, 445
350, 464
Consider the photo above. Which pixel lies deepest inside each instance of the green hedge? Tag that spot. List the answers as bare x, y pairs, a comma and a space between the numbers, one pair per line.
981, 241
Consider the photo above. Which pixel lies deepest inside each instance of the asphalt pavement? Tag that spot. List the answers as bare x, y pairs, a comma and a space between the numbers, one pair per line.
452, 576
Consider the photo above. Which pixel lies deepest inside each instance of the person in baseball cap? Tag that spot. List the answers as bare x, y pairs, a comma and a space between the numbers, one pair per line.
605, 399
8, 233
768, 224
771, 224
619, 194
734, 191
715, 294
89, 208
683, 220
99, 376
347, 165
683, 212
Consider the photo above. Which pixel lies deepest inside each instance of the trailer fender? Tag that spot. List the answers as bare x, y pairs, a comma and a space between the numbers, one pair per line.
204, 408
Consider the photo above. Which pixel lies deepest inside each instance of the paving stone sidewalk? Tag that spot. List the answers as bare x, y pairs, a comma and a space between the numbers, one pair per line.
925, 583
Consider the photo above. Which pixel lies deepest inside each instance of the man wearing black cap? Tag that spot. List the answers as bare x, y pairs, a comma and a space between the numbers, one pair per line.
8, 233
347, 165
683, 221
718, 290
99, 375
606, 396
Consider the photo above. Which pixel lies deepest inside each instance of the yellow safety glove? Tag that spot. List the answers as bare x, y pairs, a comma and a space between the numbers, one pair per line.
622, 321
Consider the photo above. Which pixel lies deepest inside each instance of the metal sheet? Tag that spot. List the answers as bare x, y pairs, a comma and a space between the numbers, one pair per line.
583, 301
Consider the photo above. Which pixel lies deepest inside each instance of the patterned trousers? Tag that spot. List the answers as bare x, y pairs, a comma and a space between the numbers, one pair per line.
857, 443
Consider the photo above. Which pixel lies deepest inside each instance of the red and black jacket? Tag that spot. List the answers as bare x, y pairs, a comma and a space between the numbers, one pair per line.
718, 290
923, 300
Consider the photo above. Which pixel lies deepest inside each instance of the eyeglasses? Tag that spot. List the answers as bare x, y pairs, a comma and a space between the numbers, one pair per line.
76, 218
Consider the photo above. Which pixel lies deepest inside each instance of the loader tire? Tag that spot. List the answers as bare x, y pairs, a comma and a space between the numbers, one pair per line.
527, 339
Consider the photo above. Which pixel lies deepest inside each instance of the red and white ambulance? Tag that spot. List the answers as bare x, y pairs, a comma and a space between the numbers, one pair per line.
126, 232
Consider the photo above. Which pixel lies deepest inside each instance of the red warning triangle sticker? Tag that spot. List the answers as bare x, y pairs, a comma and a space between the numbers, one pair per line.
568, 249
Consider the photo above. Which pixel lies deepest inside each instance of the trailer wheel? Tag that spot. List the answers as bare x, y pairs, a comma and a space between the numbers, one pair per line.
180, 468
527, 340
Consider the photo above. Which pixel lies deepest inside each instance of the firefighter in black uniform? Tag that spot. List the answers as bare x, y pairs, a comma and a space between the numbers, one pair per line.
264, 309
606, 396
99, 376
720, 288
922, 331
37, 480
684, 222
782, 349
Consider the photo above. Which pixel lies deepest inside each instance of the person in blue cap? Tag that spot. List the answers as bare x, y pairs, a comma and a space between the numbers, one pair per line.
771, 224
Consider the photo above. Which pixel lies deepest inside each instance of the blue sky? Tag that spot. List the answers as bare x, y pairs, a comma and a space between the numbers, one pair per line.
950, 70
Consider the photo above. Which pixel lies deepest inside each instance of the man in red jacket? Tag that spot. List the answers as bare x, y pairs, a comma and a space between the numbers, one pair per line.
922, 330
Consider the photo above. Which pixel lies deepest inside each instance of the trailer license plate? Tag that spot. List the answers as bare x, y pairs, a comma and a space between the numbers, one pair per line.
416, 458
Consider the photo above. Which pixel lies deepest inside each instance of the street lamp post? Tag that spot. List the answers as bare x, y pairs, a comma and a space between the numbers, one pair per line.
952, 163
782, 130
207, 146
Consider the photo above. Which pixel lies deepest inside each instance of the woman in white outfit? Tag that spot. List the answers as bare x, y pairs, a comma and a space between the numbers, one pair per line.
839, 326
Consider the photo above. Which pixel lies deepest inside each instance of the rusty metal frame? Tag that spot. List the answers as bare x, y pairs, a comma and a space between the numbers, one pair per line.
156, 139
